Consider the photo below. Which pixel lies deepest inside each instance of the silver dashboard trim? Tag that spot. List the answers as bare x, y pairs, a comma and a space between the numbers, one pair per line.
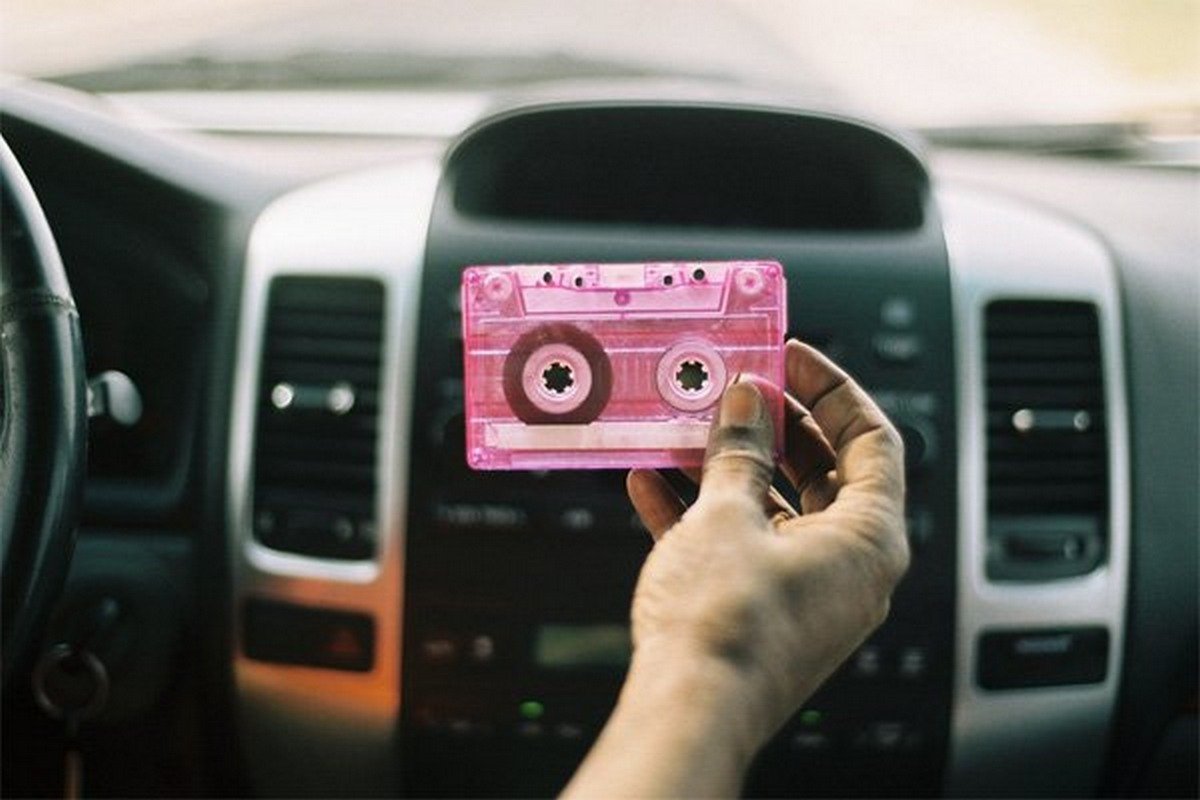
1045, 741
307, 731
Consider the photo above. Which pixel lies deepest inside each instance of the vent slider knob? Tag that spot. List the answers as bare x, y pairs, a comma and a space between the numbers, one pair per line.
1026, 420
337, 398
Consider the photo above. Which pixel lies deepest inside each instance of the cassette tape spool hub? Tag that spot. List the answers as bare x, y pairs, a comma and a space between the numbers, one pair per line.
557, 373
691, 375
611, 365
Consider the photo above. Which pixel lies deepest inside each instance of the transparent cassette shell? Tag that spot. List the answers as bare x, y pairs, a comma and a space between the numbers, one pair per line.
597, 366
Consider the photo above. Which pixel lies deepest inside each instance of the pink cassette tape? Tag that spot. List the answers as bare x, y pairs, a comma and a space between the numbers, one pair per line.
592, 366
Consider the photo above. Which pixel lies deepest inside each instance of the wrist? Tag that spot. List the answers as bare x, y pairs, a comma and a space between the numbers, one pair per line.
704, 694
683, 726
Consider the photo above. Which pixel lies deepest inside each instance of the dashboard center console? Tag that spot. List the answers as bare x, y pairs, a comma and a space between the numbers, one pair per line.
395, 609
518, 585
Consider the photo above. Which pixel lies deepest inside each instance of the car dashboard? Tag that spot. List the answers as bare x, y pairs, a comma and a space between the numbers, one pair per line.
366, 615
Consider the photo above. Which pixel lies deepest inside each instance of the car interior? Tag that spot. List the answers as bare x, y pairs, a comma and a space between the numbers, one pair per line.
244, 554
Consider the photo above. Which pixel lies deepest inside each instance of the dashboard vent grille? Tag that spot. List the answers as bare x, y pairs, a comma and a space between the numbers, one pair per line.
318, 417
1047, 455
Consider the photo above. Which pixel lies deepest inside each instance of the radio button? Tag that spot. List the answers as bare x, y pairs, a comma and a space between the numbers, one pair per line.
897, 312
530, 730
439, 650
920, 441
920, 531
888, 737
810, 741
568, 731
868, 662
482, 649
466, 728
480, 516
913, 663
578, 519
897, 348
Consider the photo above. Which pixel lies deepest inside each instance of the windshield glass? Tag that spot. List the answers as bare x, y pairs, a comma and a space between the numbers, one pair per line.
918, 63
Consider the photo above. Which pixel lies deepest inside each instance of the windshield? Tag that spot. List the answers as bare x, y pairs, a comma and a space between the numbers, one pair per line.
917, 63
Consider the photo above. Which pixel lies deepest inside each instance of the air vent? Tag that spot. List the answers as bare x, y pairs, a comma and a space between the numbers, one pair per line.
1047, 455
318, 417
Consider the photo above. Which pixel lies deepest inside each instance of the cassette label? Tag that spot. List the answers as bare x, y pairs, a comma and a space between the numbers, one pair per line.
591, 366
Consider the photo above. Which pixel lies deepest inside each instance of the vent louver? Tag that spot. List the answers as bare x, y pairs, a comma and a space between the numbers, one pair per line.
1047, 455
318, 417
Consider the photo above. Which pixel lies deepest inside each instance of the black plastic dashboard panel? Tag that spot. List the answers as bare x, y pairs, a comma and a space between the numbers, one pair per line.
717, 169
494, 561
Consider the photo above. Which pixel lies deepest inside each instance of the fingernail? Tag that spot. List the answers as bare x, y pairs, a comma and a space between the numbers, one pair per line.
741, 405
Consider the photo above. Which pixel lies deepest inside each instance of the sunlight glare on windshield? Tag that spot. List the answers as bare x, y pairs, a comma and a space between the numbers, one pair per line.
912, 62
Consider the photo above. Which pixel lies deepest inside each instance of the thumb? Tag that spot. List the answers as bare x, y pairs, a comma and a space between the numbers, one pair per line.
740, 445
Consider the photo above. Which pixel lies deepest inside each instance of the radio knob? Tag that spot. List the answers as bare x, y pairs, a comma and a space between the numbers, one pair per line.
920, 441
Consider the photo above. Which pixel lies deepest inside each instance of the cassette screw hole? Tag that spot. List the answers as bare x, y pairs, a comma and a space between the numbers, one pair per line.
692, 376
668, 280
698, 275
558, 377
547, 277
578, 280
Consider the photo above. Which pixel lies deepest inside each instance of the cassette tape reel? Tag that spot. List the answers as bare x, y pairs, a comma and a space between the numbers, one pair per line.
580, 366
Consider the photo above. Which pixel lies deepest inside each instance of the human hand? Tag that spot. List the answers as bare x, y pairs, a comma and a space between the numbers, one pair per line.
746, 605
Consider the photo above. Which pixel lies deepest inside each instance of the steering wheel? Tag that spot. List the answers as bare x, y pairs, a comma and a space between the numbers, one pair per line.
43, 428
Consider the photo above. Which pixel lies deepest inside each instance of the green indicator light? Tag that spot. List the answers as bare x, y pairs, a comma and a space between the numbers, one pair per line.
810, 717
531, 709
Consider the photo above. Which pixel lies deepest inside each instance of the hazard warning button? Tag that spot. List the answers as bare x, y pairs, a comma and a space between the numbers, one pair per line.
314, 637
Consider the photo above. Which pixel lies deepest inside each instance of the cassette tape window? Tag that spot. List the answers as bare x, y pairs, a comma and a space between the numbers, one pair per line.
590, 366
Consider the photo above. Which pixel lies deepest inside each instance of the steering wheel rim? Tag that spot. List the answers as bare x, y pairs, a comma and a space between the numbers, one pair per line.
43, 430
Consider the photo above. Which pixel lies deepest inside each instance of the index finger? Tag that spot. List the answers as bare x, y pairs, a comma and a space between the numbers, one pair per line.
870, 455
